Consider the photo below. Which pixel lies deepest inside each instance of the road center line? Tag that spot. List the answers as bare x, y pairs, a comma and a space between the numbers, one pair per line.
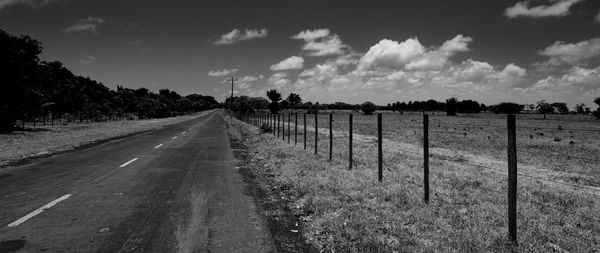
38, 211
158, 146
184, 132
127, 163
174, 138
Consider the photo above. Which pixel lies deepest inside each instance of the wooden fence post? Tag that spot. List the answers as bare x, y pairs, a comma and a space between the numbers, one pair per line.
426, 158
283, 127
289, 127
512, 178
278, 120
330, 136
272, 120
304, 133
316, 132
350, 142
379, 148
296, 129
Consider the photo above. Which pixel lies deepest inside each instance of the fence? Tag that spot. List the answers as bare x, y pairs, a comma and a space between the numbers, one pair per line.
277, 123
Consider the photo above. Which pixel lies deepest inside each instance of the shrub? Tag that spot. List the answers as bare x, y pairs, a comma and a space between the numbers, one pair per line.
368, 108
266, 128
451, 107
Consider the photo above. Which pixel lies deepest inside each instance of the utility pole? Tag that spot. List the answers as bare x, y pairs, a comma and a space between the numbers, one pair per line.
232, 79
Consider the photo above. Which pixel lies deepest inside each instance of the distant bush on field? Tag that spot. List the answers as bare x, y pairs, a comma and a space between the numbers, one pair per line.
507, 108
368, 108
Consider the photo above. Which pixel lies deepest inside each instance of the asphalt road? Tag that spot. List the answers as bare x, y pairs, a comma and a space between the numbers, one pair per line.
174, 189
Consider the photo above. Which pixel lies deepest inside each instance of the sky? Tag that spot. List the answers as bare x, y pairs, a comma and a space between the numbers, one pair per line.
327, 51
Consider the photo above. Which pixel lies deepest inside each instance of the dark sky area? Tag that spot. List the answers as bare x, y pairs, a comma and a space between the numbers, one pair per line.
327, 51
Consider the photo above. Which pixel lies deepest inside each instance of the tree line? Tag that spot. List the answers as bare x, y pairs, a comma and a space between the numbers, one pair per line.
32, 88
451, 106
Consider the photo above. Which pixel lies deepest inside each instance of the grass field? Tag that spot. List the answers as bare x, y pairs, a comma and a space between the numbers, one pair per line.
44, 140
348, 211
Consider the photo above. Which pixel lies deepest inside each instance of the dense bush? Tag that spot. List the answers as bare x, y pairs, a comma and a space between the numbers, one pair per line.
368, 108
507, 108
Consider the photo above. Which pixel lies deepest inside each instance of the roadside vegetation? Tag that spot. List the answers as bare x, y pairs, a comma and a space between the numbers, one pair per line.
346, 210
36, 90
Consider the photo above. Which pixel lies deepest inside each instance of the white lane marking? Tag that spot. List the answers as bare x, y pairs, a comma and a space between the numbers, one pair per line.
158, 146
184, 132
127, 163
38, 211
174, 138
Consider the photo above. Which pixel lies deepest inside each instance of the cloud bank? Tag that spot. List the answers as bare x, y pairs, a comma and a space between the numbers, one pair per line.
579, 54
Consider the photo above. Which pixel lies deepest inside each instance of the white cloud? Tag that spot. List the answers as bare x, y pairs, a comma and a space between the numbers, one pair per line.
562, 53
459, 43
279, 80
237, 35
310, 35
512, 70
32, 3
556, 8
223, 72
412, 55
407, 70
293, 62
320, 42
244, 83
391, 54
89, 24
87, 59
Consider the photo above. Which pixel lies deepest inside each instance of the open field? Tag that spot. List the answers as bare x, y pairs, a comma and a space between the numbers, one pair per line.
48, 139
348, 211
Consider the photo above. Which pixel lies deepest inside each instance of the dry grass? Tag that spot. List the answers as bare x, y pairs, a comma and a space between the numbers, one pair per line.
348, 211
57, 138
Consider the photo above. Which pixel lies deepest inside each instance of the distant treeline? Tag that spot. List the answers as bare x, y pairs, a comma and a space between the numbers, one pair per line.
31, 88
250, 104
275, 103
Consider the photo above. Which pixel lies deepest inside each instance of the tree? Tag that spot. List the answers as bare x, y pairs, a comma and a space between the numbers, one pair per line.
468, 106
19, 70
507, 108
275, 97
293, 100
451, 107
597, 112
544, 107
580, 108
561, 107
368, 108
